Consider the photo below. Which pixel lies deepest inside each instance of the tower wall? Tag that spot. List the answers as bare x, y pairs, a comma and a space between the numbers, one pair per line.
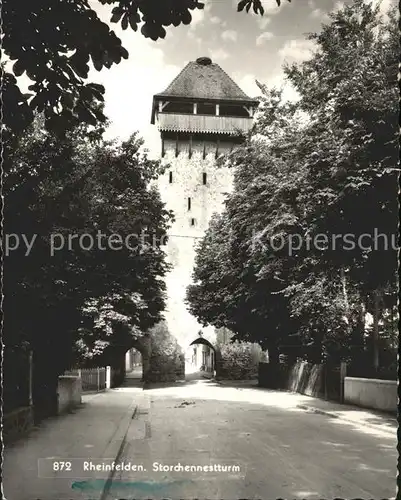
184, 179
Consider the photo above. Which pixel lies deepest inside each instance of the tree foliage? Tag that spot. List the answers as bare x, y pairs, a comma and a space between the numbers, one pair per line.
163, 342
166, 354
239, 361
290, 262
82, 281
54, 43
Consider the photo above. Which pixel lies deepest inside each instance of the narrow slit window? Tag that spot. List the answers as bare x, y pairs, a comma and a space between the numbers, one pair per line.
170, 177
192, 222
204, 178
189, 203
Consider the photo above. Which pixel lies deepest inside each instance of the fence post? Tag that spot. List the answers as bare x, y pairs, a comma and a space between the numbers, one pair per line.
98, 380
108, 377
343, 374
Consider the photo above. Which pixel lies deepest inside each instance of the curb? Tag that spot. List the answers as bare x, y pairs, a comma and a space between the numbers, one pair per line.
340, 417
116, 445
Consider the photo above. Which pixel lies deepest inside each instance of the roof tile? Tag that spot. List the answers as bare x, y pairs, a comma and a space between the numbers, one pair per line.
204, 81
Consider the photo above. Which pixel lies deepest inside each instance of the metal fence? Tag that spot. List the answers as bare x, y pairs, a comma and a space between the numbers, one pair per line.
93, 379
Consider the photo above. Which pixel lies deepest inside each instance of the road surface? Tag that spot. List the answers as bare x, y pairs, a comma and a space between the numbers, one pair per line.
274, 449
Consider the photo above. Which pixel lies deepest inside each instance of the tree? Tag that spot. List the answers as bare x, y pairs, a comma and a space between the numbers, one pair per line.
166, 355
78, 282
239, 361
319, 167
227, 290
353, 173
71, 37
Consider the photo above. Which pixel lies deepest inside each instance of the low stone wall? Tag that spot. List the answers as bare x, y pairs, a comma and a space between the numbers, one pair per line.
69, 392
371, 393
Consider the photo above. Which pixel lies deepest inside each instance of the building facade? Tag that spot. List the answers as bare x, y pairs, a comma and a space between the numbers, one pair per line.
201, 115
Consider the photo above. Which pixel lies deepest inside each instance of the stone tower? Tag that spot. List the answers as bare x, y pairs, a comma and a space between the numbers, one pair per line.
201, 115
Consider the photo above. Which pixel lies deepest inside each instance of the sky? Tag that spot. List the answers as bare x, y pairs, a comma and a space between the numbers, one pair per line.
247, 46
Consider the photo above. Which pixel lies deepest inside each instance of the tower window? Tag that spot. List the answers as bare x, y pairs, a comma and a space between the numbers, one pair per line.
204, 178
189, 203
170, 177
192, 222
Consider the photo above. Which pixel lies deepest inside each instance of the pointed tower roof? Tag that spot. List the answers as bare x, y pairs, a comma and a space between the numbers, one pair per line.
204, 80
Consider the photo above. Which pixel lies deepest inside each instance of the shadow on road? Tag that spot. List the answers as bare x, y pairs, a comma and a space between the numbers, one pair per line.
132, 382
191, 379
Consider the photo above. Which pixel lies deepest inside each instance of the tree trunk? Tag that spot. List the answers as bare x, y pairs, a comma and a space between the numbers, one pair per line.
316, 354
347, 309
375, 332
315, 351
358, 334
44, 393
274, 354
345, 293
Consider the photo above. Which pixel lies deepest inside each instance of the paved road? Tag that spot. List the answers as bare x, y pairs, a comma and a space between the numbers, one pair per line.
278, 451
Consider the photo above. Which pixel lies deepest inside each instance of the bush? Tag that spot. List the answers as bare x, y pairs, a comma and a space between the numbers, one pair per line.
239, 361
389, 373
166, 357
362, 367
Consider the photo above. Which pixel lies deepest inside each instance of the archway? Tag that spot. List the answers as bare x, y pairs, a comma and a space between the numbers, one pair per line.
201, 359
133, 364
137, 359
